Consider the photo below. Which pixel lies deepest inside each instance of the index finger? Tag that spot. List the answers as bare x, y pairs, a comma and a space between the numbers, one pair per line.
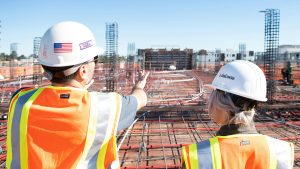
147, 74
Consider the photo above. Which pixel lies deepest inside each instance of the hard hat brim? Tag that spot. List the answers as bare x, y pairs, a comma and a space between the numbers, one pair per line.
240, 94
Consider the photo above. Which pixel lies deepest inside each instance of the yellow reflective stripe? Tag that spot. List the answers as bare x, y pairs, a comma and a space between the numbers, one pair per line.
8, 141
116, 103
101, 155
273, 161
9, 127
216, 153
118, 112
184, 158
23, 129
193, 155
115, 124
91, 132
292, 154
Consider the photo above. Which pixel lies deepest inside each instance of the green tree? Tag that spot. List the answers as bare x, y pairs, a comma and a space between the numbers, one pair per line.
2, 56
21, 57
13, 55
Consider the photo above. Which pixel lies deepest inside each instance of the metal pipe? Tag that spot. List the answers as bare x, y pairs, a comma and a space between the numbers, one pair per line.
129, 128
152, 166
153, 146
162, 143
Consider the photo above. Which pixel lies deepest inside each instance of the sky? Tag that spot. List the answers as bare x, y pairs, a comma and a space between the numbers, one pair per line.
196, 24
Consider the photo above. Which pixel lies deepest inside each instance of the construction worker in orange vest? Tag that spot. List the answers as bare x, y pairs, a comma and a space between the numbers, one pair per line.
239, 85
64, 125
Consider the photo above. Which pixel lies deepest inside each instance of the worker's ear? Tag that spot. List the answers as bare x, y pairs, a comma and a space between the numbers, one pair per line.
82, 72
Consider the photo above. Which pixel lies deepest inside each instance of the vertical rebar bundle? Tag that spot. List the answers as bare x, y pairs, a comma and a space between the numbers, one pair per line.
242, 51
112, 53
110, 74
271, 43
218, 60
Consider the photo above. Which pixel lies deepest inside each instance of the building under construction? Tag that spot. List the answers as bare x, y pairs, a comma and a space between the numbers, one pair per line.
163, 59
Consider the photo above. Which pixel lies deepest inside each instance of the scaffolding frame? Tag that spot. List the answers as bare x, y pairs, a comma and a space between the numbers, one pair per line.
271, 43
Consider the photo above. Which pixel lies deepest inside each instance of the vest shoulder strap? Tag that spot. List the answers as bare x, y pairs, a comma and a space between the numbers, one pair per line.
100, 146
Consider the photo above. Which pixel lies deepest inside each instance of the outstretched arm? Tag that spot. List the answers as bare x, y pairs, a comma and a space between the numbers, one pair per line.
138, 91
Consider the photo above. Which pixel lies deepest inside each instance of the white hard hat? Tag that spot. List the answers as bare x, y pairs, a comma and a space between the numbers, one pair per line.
67, 43
242, 78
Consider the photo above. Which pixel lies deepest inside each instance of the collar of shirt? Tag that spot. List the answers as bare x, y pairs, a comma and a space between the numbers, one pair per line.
231, 129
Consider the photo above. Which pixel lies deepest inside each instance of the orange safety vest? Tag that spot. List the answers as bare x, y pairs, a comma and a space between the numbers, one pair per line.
62, 127
240, 151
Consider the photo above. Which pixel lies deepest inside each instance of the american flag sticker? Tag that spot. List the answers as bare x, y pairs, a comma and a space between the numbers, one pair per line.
62, 47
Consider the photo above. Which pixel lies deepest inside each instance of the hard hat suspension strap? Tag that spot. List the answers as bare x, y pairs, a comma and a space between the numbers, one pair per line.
60, 74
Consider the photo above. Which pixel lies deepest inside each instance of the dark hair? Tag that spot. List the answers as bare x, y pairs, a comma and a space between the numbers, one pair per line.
242, 102
58, 75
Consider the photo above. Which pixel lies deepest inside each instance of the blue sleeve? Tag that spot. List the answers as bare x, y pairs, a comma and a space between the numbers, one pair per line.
128, 112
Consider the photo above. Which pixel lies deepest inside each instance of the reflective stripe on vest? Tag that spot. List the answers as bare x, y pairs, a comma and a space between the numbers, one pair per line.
9, 124
102, 120
200, 155
18, 129
206, 154
99, 149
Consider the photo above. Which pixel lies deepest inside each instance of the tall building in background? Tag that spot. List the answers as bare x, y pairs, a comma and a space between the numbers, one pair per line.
131, 49
14, 47
36, 46
112, 39
164, 59
242, 51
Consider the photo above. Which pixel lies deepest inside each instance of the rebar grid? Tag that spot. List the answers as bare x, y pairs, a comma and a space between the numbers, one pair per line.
171, 124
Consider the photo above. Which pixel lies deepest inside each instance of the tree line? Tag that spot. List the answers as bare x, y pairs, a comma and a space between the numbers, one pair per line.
12, 56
